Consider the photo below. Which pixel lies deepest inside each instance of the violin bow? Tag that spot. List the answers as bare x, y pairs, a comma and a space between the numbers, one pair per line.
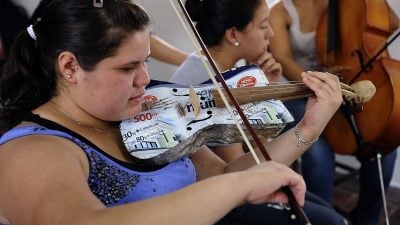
218, 89
299, 213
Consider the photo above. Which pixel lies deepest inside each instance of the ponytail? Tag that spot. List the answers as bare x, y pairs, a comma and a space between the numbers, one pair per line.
23, 85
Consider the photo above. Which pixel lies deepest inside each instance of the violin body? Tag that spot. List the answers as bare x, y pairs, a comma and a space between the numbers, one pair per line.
170, 129
364, 28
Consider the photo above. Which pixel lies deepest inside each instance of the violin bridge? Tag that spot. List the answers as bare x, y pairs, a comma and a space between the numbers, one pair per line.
194, 100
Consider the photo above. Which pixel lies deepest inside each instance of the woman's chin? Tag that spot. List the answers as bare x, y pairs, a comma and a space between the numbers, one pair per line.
134, 112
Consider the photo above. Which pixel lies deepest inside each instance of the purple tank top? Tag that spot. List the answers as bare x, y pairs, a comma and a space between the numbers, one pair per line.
113, 181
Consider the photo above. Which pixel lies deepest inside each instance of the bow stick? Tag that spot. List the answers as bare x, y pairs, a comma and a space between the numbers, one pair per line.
292, 201
218, 89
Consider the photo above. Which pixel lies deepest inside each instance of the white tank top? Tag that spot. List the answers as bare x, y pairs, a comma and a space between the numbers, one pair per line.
303, 44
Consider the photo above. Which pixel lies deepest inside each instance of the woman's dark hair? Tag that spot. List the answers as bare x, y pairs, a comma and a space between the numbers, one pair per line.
13, 19
28, 78
214, 17
39, 10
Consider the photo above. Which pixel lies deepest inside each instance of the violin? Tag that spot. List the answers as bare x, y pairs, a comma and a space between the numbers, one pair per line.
176, 123
178, 119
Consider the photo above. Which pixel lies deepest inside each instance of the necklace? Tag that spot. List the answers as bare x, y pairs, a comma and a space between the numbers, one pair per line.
98, 130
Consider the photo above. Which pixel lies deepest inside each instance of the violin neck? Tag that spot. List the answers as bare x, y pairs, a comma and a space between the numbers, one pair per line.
365, 91
272, 91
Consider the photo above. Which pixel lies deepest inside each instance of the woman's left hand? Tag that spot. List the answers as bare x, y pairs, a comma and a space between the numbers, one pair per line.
321, 107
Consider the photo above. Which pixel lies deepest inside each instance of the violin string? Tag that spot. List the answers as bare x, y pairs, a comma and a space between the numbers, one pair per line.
281, 92
161, 103
270, 92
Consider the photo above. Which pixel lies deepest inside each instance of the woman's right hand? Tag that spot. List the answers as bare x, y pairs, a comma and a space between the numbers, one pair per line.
266, 180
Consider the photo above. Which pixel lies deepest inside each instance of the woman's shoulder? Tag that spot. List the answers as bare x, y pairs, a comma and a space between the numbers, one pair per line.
34, 167
278, 7
279, 12
38, 144
34, 136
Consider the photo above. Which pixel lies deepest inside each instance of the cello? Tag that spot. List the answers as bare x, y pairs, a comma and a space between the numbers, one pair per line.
363, 29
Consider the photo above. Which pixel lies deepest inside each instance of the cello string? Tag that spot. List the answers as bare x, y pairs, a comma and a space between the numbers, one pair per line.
228, 106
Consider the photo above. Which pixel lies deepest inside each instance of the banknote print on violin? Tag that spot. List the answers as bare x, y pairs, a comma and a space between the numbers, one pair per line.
172, 128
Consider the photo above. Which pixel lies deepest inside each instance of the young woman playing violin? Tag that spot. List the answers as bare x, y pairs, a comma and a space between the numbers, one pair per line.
71, 78
294, 46
235, 30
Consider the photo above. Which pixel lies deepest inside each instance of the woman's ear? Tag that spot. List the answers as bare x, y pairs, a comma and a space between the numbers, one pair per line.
68, 66
231, 36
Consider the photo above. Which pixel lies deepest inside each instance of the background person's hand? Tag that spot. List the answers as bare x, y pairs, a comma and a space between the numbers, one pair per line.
271, 68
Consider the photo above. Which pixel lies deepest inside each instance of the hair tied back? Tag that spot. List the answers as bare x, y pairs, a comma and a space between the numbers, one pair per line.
31, 32
98, 3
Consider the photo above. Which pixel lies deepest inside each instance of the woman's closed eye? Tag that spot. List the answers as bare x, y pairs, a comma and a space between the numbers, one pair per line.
264, 26
127, 69
130, 68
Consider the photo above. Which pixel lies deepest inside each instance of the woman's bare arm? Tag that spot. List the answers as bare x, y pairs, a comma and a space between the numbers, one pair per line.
49, 185
280, 43
165, 52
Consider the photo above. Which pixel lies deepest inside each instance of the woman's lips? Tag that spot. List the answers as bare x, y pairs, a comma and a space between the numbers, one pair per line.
138, 98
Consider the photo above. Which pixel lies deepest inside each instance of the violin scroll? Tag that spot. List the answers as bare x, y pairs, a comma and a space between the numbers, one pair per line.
364, 91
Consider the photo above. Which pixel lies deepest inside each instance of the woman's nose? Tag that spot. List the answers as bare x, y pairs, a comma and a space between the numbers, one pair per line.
143, 77
269, 32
